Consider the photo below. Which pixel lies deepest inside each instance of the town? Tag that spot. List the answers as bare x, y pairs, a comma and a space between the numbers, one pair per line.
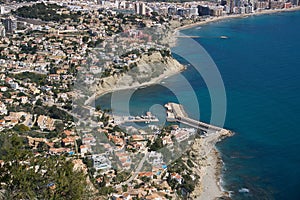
52, 54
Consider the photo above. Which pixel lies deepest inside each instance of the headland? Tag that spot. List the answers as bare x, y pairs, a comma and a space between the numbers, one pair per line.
207, 158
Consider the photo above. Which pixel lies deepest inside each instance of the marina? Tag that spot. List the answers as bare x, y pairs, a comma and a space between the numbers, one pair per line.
176, 113
148, 118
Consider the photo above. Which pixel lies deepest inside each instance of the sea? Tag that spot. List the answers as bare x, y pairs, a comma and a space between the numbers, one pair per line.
259, 64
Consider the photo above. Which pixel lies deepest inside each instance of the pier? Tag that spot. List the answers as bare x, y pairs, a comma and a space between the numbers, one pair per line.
176, 113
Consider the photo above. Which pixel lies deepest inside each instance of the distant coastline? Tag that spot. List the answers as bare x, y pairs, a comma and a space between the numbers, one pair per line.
215, 19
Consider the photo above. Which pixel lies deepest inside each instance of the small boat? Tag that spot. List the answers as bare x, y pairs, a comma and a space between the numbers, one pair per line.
198, 27
244, 190
223, 37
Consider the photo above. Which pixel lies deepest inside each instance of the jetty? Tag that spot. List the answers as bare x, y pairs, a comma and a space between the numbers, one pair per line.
176, 113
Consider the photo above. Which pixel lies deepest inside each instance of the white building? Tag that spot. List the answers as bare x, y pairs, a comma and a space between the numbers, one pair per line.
101, 162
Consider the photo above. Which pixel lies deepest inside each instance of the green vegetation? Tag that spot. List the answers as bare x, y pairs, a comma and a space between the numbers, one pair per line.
21, 128
25, 176
180, 167
34, 77
189, 163
53, 112
106, 190
121, 177
28, 49
157, 144
44, 12
145, 179
165, 53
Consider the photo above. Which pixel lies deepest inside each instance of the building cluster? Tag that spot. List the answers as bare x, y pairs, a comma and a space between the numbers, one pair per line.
87, 42
200, 8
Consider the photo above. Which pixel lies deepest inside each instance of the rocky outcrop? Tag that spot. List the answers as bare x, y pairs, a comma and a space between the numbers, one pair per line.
150, 69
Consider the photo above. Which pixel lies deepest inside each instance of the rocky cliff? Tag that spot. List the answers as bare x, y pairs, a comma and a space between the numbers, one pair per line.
150, 69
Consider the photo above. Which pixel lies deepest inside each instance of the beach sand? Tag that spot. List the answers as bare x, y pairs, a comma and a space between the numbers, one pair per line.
214, 19
209, 166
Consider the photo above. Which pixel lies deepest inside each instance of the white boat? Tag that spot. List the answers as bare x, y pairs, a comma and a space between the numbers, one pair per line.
244, 190
223, 37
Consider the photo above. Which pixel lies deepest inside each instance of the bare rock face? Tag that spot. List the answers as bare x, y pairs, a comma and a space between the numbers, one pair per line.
150, 69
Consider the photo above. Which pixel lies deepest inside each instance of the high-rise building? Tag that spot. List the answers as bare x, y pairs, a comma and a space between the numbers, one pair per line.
295, 2
2, 31
203, 10
172, 10
140, 8
230, 5
223, 2
193, 11
2, 10
10, 24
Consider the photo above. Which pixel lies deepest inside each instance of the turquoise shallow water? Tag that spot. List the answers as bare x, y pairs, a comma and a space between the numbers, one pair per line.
259, 64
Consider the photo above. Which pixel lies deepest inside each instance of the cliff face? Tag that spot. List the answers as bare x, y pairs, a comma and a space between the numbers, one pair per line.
150, 69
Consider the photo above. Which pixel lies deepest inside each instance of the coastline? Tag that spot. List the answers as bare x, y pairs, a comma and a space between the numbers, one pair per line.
210, 185
176, 30
153, 81
209, 162
212, 171
220, 18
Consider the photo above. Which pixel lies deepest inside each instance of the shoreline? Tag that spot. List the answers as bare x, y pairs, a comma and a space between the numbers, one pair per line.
157, 80
176, 30
212, 172
209, 166
234, 16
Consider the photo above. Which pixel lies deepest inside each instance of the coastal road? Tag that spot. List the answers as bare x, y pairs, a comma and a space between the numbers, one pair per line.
138, 169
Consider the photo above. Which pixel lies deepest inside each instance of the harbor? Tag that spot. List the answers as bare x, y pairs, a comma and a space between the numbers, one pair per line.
148, 118
176, 113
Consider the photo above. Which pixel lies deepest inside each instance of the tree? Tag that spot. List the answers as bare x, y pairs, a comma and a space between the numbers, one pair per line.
25, 176
98, 108
59, 126
42, 146
124, 188
158, 144
106, 190
21, 128
39, 102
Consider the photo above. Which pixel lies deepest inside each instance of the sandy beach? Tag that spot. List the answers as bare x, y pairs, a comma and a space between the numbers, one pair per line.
214, 19
209, 166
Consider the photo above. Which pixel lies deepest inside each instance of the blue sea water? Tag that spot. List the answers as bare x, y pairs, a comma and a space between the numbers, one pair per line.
259, 64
